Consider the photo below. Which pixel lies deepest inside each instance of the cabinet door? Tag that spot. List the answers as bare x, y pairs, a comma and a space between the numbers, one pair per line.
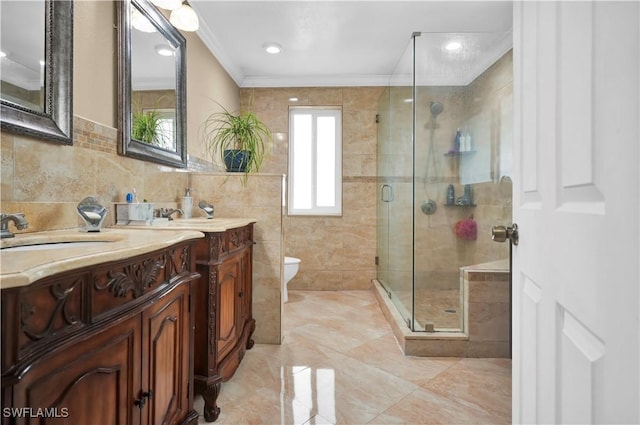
91, 382
165, 358
228, 306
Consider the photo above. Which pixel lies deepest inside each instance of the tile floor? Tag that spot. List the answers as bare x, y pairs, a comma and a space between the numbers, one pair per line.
340, 364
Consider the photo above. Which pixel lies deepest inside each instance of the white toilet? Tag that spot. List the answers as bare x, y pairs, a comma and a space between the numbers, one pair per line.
291, 265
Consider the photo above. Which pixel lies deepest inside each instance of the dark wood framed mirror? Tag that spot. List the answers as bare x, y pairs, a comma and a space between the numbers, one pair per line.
36, 69
152, 85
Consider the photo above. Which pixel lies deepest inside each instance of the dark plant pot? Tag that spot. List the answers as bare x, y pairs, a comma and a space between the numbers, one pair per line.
236, 160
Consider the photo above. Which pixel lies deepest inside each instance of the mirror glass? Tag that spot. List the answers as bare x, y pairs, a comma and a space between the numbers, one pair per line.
22, 63
35, 68
152, 66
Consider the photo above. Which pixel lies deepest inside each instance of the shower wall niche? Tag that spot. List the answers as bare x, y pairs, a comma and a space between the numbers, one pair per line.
424, 236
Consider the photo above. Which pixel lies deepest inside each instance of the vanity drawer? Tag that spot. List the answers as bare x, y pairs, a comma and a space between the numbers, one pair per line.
126, 283
218, 245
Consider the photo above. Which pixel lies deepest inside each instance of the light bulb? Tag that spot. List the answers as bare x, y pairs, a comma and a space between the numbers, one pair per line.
185, 18
140, 22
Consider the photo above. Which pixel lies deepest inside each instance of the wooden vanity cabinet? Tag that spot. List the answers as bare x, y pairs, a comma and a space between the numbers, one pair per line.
106, 345
223, 311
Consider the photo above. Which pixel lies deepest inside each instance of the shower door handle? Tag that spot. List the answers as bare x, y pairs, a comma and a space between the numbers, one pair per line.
386, 195
502, 233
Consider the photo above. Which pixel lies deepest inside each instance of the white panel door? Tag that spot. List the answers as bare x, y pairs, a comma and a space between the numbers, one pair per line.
576, 324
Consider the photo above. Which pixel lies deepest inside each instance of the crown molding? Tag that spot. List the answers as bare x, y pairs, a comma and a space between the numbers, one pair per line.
219, 53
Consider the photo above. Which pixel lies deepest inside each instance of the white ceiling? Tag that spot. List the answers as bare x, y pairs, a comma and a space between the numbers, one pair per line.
336, 43
326, 43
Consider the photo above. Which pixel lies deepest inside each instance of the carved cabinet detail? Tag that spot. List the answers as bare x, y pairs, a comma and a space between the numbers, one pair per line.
109, 344
224, 321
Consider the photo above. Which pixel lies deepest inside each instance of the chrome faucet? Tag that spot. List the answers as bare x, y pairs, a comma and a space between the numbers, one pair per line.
18, 220
167, 212
207, 208
91, 213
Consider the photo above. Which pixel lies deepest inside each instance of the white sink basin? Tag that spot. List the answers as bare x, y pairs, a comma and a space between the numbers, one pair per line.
50, 246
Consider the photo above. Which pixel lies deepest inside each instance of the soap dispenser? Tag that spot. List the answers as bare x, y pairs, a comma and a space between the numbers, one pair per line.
187, 203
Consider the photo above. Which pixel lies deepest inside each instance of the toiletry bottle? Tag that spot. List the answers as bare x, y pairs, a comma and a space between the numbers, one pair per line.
467, 142
451, 196
456, 142
468, 195
187, 203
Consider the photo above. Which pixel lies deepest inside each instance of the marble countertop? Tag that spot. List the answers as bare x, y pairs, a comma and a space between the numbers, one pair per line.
20, 268
201, 224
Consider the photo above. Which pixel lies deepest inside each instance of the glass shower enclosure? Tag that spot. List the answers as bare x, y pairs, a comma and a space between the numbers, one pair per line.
444, 161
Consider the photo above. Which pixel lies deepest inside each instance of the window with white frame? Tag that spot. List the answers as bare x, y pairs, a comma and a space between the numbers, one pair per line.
315, 161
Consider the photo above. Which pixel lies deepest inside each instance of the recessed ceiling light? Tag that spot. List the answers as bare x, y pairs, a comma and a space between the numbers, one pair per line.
408, 100
453, 46
273, 48
164, 50
293, 99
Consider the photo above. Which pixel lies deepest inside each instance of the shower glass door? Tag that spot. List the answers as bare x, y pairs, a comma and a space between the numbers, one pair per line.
395, 190
444, 161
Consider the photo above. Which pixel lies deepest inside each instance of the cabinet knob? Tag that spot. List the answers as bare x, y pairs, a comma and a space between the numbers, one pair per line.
140, 402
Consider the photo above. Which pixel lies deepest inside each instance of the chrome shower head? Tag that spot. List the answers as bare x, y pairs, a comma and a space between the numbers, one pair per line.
436, 108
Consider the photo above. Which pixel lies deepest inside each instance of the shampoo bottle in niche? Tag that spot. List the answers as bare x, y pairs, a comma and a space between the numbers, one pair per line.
187, 203
467, 142
456, 142
451, 196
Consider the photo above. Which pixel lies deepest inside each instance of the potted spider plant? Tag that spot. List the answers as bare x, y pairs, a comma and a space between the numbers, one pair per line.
239, 140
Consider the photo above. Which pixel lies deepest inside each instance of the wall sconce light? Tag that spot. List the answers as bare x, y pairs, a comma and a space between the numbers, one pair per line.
184, 18
140, 22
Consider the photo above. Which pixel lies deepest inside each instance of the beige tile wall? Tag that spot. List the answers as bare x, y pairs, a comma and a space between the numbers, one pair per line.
47, 180
336, 252
487, 310
259, 198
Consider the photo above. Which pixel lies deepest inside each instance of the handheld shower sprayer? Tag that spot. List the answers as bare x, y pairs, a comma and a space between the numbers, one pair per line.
432, 172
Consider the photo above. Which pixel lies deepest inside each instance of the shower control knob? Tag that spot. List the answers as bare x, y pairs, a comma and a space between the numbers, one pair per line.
502, 233
428, 207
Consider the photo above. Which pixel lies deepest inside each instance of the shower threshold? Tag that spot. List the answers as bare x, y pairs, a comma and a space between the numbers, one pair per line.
425, 344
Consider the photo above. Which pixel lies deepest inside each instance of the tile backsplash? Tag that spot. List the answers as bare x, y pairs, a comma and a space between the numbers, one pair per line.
46, 181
